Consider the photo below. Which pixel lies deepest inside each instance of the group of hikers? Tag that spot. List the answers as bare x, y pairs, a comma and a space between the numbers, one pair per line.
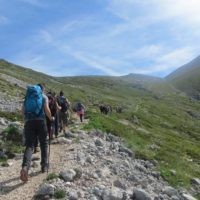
45, 115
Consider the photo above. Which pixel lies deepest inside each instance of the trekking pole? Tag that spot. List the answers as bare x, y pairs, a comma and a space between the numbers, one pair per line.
48, 152
50, 137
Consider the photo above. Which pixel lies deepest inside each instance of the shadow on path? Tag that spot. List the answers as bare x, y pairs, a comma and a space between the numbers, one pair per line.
5, 188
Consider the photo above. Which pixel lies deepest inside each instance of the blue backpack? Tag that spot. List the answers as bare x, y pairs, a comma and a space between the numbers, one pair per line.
33, 102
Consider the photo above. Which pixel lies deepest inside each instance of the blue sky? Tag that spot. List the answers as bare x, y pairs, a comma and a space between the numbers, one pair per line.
100, 37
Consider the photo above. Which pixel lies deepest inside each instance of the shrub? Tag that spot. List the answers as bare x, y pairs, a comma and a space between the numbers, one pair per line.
12, 134
51, 176
13, 116
59, 194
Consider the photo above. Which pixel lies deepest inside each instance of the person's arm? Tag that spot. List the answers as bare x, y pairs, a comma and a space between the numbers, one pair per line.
57, 106
47, 109
68, 102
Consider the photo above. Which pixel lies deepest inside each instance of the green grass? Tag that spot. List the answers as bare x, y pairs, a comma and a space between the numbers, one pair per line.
4, 163
12, 116
59, 194
3, 160
12, 134
11, 141
51, 176
173, 153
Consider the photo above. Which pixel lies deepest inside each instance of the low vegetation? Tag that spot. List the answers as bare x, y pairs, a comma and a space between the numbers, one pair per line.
59, 194
11, 143
51, 176
163, 134
157, 121
12, 116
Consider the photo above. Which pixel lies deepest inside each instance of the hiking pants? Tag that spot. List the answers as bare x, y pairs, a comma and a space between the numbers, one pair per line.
50, 128
81, 117
56, 124
35, 129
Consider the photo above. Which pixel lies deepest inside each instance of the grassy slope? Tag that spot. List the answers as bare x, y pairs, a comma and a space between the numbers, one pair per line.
186, 78
164, 119
166, 125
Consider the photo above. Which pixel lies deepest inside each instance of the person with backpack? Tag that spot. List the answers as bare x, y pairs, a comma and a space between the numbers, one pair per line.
64, 111
57, 117
34, 108
52, 127
80, 110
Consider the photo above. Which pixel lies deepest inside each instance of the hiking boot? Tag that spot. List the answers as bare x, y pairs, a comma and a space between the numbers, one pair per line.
43, 169
24, 174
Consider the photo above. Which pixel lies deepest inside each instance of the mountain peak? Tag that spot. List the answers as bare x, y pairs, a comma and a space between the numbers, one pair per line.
186, 78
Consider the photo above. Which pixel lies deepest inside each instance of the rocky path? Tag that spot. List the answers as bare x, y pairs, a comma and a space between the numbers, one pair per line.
10, 185
91, 166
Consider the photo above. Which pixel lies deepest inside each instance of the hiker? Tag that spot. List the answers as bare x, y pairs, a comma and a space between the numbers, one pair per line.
64, 114
80, 110
104, 109
34, 108
57, 117
52, 127
118, 109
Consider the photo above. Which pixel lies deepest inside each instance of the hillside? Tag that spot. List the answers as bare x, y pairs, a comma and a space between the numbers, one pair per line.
88, 165
186, 78
158, 122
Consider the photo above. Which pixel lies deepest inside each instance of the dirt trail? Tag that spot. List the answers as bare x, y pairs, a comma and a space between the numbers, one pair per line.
11, 186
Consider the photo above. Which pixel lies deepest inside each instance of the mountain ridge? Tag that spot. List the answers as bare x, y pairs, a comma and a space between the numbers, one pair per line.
186, 78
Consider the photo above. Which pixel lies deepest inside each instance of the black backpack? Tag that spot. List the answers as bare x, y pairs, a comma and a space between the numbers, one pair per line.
79, 106
52, 104
64, 105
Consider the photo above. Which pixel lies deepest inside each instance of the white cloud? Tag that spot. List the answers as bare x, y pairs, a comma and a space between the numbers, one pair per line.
184, 9
45, 36
170, 61
118, 47
148, 51
86, 59
158, 9
163, 60
3, 20
53, 40
147, 12
178, 46
94, 63
69, 26
177, 57
28, 59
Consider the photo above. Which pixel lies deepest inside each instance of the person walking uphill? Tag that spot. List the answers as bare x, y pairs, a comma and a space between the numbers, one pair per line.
34, 108
52, 127
80, 110
64, 112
